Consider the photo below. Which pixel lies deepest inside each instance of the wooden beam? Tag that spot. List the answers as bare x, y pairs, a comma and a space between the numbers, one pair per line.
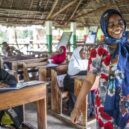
53, 7
31, 4
46, 4
80, 1
25, 18
93, 11
64, 8
1, 2
11, 3
97, 1
19, 11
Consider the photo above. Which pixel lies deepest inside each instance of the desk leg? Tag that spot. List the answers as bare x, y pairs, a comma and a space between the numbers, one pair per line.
42, 114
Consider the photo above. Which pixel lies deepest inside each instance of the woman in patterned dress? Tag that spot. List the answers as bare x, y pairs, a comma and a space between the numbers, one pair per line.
110, 62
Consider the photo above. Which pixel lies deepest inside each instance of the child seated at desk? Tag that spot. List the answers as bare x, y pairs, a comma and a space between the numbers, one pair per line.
77, 66
10, 50
7, 79
59, 57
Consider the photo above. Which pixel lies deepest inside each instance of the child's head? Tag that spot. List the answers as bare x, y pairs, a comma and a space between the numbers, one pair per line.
62, 49
112, 24
4, 44
82, 54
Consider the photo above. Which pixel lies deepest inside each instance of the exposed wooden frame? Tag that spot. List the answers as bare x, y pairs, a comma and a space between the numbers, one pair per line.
31, 4
1, 2
53, 7
80, 1
20, 11
63, 9
75, 10
109, 4
11, 3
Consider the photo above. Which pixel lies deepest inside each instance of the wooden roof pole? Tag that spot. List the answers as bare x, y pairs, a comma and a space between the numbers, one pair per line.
31, 4
11, 3
46, 4
53, 7
19, 11
80, 1
1, 2
97, 1
63, 9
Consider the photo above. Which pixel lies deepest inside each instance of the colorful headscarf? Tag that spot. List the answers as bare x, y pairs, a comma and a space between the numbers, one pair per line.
59, 58
76, 63
104, 25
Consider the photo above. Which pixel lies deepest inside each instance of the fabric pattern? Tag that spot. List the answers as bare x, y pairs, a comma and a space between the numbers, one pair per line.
111, 105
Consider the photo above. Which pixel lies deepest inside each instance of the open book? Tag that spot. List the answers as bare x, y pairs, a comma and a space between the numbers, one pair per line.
21, 85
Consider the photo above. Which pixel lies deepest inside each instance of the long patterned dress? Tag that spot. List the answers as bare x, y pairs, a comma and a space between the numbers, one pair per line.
111, 105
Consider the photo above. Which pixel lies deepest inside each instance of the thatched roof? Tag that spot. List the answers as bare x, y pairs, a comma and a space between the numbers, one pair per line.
85, 12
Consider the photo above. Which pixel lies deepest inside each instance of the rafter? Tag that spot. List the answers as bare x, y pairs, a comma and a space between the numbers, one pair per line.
11, 3
46, 4
64, 8
25, 19
31, 4
53, 7
94, 11
109, 4
15, 11
80, 1
97, 1
1, 2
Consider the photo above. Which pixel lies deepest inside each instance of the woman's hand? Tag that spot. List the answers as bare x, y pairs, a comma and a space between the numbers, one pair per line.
75, 115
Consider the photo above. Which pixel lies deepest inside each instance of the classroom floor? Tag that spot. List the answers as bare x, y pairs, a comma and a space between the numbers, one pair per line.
52, 121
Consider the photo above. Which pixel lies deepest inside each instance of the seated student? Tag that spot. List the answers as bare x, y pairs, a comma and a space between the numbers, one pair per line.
77, 66
6, 78
59, 57
10, 50
13, 115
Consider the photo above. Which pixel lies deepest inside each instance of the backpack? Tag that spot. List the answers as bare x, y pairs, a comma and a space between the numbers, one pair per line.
12, 117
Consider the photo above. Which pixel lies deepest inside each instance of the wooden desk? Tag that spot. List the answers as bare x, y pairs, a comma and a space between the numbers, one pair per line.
45, 71
26, 95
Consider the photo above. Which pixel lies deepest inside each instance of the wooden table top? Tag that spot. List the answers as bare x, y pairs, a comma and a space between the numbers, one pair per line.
22, 96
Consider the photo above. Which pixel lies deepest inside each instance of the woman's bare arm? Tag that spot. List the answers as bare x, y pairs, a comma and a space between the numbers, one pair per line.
87, 85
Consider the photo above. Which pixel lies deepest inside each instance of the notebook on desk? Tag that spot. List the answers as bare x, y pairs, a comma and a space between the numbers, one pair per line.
21, 85
51, 65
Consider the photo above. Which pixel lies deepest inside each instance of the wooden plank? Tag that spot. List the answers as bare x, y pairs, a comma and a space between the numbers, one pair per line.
42, 73
64, 8
56, 95
53, 7
35, 64
22, 96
